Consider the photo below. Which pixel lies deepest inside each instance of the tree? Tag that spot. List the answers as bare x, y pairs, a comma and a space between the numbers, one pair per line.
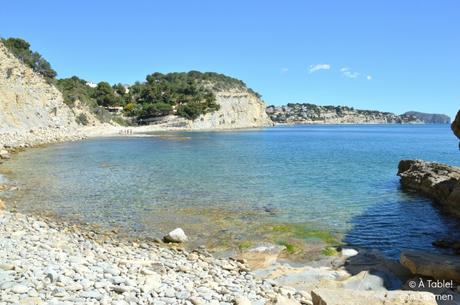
21, 49
105, 95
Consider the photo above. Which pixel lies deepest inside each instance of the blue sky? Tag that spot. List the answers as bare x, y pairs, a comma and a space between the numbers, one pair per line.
386, 55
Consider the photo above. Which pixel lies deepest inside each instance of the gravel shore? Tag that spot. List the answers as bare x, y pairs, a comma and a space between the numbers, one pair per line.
42, 262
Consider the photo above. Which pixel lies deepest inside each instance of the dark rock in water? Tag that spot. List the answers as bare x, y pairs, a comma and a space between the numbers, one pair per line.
456, 125
438, 181
437, 266
429, 118
443, 243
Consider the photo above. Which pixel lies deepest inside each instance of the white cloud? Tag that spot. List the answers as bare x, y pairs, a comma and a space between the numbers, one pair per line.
317, 67
369, 77
348, 73
284, 70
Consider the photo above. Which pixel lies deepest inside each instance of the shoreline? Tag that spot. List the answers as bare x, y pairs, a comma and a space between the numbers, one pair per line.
275, 283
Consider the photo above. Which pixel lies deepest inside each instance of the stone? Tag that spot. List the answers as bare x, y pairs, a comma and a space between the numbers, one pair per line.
91, 294
4, 154
2, 205
242, 301
262, 256
176, 236
325, 296
20, 288
437, 266
348, 252
435, 180
283, 300
152, 282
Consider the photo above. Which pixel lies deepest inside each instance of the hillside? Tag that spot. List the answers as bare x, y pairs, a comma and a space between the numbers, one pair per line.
429, 118
31, 110
305, 113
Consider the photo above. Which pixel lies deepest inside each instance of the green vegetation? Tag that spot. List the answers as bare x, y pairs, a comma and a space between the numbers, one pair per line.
303, 232
245, 245
187, 94
329, 251
21, 49
290, 248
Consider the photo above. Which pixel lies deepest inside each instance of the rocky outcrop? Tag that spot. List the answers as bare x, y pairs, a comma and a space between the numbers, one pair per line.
354, 297
437, 266
314, 114
32, 111
428, 118
456, 125
438, 181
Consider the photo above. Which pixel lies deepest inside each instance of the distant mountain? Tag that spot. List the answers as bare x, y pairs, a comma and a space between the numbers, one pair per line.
429, 118
305, 113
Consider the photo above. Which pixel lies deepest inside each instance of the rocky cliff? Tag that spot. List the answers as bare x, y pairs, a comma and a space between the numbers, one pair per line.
438, 181
456, 125
31, 110
313, 114
428, 118
239, 109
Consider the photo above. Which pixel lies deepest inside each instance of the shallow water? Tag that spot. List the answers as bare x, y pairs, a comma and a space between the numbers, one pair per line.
224, 187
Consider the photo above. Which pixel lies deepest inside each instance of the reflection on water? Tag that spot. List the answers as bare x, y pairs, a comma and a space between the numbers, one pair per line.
231, 187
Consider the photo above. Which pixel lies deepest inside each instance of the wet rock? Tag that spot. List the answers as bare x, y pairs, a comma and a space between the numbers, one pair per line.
262, 256
438, 181
4, 154
354, 297
437, 266
176, 236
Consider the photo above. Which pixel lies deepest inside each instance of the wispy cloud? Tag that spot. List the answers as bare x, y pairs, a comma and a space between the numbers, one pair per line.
318, 67
369, 77
284, 70
348, 73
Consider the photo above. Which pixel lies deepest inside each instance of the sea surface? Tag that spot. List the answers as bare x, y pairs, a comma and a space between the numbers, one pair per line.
230, 187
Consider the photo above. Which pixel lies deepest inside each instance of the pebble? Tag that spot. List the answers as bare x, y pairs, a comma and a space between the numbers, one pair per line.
48, 263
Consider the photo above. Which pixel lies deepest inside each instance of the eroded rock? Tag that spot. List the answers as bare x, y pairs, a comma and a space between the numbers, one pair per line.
438, 266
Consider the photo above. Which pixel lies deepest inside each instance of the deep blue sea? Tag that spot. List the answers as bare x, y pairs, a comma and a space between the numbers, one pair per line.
230, 184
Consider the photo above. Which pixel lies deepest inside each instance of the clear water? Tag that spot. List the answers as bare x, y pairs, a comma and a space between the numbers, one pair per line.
227, 184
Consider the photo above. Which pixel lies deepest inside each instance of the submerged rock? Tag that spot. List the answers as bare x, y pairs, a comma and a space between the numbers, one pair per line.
437, 266
326, 296
176, 236
262, 256
438, 181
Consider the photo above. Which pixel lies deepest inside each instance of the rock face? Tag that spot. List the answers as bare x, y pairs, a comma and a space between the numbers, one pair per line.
437, 181
314, 114
354, 297
456, 125
239, 109
429, 118
437, 266
30, 108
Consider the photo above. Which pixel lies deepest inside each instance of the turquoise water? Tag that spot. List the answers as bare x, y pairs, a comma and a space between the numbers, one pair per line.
229, 184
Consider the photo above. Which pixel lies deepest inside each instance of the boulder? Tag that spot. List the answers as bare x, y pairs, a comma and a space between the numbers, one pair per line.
176, 236
435, 180
4, 154
437, 266
456, 125
325, 296
348, 252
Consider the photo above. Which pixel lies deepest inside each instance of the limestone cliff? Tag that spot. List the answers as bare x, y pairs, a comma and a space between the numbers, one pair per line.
305, 113
239, 109
31, 110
